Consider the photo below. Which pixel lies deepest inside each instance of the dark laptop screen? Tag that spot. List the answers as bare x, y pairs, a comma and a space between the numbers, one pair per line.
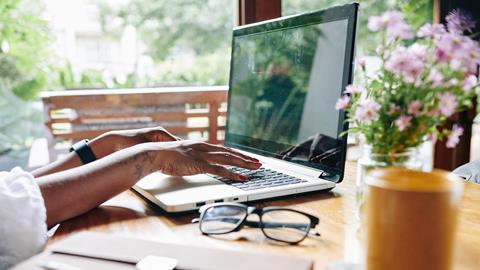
284, 82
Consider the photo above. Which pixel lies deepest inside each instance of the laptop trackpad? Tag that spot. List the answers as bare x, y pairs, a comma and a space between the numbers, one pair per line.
173, 190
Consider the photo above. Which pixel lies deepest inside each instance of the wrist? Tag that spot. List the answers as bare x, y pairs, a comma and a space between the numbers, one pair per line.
146, 158
103, 145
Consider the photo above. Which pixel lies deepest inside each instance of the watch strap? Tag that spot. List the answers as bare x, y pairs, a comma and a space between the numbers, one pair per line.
83, 151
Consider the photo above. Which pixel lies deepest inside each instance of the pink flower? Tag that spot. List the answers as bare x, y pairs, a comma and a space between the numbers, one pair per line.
419, 50
398, 60
454, 136
458, 22
400, 30
375, 23
435, 77
470, 82
392, 22
367, 111
412, 71
414, 108
403, 122
441, 55
354, 89
431, 31
447, 103
342, 103
403, 62
361, 62
451, 82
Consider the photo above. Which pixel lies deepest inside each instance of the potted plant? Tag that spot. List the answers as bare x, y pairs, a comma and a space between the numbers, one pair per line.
423, 79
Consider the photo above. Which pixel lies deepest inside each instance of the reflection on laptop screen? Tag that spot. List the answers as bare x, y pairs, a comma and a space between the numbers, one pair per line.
283, 88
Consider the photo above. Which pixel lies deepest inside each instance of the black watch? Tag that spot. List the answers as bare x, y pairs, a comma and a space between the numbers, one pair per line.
83, 151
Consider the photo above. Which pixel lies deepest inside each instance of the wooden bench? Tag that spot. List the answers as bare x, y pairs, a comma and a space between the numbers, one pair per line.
188, 112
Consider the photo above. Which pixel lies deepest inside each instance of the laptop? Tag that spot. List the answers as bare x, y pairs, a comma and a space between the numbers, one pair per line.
286, 75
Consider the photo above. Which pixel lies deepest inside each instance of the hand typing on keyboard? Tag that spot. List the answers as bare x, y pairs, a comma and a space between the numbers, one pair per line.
261, 178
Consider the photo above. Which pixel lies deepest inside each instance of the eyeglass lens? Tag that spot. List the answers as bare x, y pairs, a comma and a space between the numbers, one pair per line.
285, 225
222, 219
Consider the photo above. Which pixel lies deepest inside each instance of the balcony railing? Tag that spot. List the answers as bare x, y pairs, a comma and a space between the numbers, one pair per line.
188, 112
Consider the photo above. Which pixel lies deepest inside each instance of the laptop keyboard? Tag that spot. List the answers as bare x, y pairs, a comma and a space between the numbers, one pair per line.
258, 179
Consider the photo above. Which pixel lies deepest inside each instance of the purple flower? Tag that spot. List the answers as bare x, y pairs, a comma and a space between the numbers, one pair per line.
400, 30
453, 46
454, 136
376, 23
414, 108
435, 77
459, 22
354, 89
452, 82
403, 62
412, 71
361, 62
419, 50
431, 31
393, 22
367, 111
447, 103
342, 103
398, 60
470, 82
403, 122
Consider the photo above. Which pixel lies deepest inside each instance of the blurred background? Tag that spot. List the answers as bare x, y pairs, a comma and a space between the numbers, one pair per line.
49, 45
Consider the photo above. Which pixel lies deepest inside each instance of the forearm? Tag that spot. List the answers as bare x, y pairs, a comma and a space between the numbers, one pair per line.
101, 146
75, 191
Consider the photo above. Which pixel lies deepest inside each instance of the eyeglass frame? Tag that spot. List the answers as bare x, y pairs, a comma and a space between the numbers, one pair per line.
314, 221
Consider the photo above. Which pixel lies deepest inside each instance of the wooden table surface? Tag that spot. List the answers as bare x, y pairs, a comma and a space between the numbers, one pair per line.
129, 215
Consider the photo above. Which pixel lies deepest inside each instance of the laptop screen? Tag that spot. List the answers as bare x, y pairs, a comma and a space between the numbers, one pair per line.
285, 78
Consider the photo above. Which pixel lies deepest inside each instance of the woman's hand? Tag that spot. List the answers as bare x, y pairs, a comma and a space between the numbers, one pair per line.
113, 141
74, 191
181, 158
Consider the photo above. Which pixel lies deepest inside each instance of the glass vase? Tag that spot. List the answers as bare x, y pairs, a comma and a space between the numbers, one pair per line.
409, 159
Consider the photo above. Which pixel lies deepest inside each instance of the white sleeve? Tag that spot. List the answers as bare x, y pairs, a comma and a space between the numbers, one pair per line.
23, 228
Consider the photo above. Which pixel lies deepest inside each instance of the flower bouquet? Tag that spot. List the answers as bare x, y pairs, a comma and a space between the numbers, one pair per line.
422, 80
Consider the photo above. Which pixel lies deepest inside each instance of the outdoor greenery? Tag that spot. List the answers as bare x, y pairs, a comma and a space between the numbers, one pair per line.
188, 40
24, 40
416, 12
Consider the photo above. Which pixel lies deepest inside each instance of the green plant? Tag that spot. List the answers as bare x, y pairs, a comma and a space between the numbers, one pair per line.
420, 83
24, 51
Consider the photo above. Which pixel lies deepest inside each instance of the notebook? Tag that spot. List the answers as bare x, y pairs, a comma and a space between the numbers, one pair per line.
89, 250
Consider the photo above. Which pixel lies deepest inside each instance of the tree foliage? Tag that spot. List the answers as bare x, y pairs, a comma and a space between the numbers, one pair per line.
416, 12
24, 40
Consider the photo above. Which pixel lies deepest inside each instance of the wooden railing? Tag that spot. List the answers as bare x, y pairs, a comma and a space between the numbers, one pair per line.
188, 112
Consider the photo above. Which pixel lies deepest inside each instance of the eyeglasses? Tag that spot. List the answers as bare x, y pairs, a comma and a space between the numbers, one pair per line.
277, 223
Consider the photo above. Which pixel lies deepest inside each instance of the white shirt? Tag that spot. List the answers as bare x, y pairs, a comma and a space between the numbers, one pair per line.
23, 228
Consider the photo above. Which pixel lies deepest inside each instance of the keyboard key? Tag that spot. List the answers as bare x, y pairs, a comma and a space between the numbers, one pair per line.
261, 178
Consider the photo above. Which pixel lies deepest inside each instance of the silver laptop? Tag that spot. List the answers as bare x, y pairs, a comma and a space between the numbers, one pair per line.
285, 77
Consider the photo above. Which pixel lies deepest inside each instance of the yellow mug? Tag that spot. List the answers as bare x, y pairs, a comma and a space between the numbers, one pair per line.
410, 219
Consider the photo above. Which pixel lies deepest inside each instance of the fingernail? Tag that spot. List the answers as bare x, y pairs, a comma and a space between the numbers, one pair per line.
258, 164
242, 177
256, 160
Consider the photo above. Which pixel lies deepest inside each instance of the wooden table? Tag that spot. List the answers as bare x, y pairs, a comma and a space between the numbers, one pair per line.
129, 215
